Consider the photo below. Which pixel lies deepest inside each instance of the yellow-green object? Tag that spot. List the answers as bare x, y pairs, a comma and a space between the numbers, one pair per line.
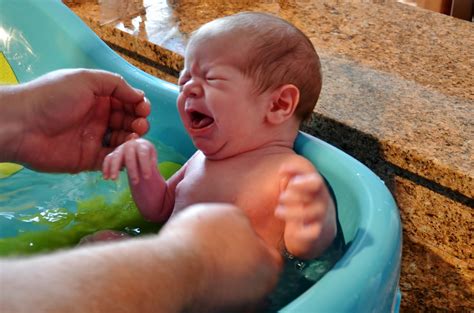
65, 228
8, 169
167, 168
7, 76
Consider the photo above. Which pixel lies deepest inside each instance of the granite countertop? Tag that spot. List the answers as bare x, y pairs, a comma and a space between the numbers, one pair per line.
400, 74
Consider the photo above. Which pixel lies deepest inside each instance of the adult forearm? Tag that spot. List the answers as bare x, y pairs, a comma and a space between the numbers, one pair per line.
11, 120
144, 275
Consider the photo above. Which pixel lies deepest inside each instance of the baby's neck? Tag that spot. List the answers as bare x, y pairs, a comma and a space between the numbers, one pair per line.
269, 149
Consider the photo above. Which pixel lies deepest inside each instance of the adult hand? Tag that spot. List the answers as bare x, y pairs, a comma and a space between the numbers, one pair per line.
62, 118
236, 267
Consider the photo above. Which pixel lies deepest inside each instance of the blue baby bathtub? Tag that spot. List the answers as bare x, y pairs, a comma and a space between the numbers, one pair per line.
40, 36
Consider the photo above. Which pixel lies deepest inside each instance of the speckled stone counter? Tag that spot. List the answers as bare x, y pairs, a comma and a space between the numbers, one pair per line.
398, 95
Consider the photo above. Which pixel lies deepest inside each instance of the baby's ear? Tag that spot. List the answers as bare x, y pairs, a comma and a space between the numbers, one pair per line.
284, 100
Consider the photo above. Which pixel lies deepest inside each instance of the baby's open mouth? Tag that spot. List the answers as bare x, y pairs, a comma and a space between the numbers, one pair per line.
200, 120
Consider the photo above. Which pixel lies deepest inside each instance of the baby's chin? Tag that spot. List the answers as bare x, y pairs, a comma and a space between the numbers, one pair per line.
216, 152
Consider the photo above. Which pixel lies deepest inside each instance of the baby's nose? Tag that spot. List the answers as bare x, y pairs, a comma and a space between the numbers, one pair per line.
192, 89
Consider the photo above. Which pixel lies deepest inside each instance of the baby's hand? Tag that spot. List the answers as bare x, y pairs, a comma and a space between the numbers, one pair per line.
137, 155
307, 209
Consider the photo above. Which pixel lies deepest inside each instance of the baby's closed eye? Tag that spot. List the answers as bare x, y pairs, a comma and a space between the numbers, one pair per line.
214, 78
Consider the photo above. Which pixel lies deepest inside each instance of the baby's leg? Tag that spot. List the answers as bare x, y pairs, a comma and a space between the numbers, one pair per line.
103, 235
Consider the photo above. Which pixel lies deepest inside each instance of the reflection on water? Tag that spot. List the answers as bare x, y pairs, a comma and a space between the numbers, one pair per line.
16, 48
28, 193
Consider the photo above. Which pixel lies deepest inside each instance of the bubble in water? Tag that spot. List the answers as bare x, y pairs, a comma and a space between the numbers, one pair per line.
300, 265
133, 231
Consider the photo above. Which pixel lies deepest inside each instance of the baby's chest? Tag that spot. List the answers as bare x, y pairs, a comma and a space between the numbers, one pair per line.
248, 188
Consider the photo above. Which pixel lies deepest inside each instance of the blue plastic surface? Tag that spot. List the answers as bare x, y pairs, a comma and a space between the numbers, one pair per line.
40, 36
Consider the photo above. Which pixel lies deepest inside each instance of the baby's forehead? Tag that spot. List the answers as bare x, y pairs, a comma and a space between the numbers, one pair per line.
223, 37
224, 48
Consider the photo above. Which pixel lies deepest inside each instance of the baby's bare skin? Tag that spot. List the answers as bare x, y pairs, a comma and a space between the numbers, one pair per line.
251, 181
280, 191
244, 137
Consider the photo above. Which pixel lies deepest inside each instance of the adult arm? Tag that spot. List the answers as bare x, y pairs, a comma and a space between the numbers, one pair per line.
206, 259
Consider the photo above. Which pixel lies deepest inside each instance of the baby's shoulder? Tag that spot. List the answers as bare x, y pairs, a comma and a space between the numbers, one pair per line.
296, 162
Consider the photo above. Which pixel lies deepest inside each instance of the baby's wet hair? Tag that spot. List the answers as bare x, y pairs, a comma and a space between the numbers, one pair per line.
278, 54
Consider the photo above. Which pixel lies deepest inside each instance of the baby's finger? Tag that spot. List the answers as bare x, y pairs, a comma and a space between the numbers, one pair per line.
309, 232
131, 162
300, 213
154, 157
115, 163
145, 160
132, 136
307, 183
106, 167
290, 197
294, 214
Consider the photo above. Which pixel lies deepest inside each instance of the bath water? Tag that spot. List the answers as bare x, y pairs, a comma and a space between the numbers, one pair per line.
298, 276
41, 212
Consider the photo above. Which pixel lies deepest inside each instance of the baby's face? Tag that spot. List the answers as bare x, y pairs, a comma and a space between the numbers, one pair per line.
217, 103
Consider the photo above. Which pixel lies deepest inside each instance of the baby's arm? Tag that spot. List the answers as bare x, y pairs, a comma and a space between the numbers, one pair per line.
308, 211
152, 194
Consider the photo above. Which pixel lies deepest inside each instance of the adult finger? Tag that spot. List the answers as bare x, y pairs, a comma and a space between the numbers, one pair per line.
118, 137
116, 120
143, 108
140, 126
127, 122
114, 85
